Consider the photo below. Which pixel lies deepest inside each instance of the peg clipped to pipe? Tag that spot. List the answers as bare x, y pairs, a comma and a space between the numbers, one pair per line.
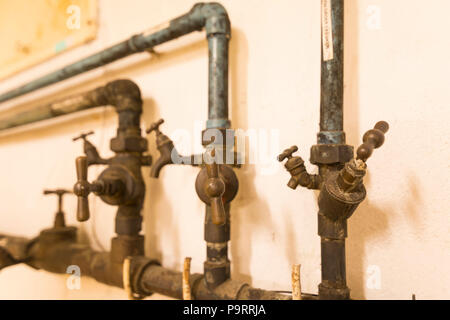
186, 279
296, 284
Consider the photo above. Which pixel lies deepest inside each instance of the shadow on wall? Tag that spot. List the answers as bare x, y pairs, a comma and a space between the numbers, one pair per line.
249, 213
367, 223
368, 220
371, 222
157, 212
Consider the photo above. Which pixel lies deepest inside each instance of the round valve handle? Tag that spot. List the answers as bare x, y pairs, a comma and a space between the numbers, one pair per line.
83, 136
372, 139
155, 126
214, 189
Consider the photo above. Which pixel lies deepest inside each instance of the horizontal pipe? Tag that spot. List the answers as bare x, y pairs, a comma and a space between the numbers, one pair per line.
110, 94
210, 16
147, 277
137, 43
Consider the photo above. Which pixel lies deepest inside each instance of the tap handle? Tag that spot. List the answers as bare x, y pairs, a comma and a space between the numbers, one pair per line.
83, 136
215, 188
155, 126
82, 189
60, 193
372, 139
287, 153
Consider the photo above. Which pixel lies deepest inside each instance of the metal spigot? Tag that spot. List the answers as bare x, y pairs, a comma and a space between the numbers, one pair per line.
83, 188
59, 217
354, 170
93, 157
216, 185
344, 190
165, 147
296, 167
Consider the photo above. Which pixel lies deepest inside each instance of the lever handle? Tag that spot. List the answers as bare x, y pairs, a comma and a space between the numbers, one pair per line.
372, 139
215, 188
83, 136
155, 126
82, 189
287, 153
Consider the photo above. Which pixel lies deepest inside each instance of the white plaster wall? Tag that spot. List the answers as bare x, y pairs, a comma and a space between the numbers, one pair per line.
396, 70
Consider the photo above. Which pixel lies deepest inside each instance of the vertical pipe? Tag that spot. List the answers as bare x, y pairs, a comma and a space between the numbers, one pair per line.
332, 82
332, 238
217, 265
218, 81
218, 30
332, 233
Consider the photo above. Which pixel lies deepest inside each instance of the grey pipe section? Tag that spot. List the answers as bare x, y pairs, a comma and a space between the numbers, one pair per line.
218, 82
332, 83
210, 16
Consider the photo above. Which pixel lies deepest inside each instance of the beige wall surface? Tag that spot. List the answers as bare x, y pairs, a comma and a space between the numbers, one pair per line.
396, 70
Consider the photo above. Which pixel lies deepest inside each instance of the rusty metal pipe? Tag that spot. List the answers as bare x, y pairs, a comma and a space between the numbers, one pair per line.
119, 93
332, 83
54, 251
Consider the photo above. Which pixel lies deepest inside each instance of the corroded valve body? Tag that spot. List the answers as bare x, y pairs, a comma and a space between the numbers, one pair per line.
341, 191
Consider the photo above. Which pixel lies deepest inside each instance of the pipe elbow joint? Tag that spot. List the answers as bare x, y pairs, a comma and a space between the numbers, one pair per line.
214, 17
123, 94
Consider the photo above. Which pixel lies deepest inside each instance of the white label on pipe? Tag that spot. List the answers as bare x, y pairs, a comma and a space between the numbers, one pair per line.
327, 31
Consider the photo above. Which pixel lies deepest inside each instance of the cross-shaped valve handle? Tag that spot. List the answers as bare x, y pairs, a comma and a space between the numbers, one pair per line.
59, 218
155, 126
83, 136
287, 153
60, 193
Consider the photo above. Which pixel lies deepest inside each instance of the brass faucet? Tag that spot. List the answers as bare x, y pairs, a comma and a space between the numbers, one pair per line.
341, 191
168, 152
216, 185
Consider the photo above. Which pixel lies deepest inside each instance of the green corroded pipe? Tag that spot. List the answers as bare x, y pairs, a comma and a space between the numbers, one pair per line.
209, 16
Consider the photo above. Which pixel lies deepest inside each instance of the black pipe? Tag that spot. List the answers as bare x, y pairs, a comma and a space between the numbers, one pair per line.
56, 249
217, 264
332, 82
331, 141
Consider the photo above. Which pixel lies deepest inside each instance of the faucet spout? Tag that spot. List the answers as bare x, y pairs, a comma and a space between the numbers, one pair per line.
165, 158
